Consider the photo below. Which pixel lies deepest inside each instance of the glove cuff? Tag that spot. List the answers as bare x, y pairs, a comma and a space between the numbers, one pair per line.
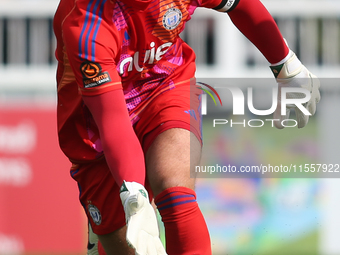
132, 188
289, 67
133, 196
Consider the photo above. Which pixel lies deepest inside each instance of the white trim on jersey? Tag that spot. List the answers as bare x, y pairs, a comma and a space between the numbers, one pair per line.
228, 5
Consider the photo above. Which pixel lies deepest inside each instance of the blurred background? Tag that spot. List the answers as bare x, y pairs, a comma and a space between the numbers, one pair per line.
39, 208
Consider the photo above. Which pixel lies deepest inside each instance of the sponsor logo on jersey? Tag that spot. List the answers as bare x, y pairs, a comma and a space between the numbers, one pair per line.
172, 18
93, 75
151, 56
90, 70
95, 214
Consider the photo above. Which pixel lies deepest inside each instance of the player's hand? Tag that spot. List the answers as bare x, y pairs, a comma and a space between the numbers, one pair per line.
292, 74
142, 228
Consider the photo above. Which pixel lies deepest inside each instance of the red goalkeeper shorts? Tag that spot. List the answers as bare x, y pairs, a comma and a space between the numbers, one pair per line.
99, 194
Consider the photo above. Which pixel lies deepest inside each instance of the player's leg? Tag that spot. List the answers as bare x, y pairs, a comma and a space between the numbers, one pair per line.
115, 243
164, 131
99, 195
168, 159
168, 162
172, 148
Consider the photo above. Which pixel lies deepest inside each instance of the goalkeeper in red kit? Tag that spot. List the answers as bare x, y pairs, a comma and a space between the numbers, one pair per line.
129, 118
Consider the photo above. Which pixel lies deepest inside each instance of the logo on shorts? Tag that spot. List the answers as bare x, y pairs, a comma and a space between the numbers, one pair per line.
172, 18
93, 75
95, 214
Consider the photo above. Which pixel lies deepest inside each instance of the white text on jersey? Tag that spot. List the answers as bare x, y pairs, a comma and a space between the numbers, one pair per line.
150, 57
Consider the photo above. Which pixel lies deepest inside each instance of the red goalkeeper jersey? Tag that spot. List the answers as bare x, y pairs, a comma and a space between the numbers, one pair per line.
105, 45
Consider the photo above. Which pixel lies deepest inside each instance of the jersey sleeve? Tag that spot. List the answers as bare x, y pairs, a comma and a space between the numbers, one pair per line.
254, 21
123, 152
220, 5
91, 47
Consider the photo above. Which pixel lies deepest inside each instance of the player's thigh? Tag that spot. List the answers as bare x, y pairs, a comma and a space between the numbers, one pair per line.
171, 158
170, 132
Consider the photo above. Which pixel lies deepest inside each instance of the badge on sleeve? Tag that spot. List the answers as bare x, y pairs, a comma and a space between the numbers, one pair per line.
93, 75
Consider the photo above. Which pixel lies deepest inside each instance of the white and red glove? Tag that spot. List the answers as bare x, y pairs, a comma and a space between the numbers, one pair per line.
142, 228
291, 74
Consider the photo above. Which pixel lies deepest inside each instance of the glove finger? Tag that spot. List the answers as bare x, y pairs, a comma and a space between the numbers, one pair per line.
301, 119
279, 118
315, 90
151, 249
318, 96
142, 243
315, 97
311, 107
150, 217
132, 231
159, 246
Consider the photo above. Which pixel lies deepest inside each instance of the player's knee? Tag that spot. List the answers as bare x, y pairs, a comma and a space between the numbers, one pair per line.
161, 186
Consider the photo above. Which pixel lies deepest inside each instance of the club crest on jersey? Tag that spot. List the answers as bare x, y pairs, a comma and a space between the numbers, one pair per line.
172, 18
95, 214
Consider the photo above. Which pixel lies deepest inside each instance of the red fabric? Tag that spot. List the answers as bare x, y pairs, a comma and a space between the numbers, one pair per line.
121, 147
94, 178
97, 189
97, 53
177, 108
101, 250
256, 23
137, 4
210, 3
185, 229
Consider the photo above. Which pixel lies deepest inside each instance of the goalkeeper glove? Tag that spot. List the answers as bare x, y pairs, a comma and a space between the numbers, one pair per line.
92, 246
142, 228
292, 74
